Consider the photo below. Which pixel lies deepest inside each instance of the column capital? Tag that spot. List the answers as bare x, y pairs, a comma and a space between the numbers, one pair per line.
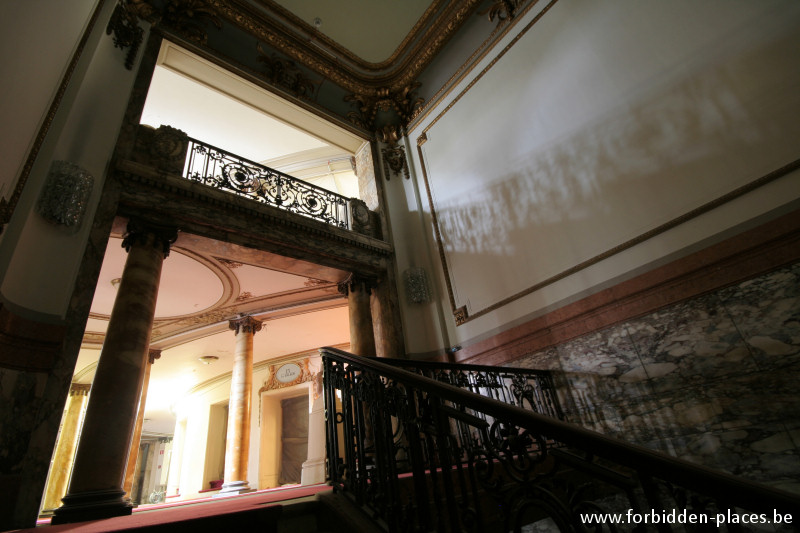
79, 389
246, 324
140, 232
152, 355
356, 282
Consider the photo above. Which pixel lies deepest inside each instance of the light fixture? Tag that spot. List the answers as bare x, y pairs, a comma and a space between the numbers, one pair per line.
115, 282
207, 359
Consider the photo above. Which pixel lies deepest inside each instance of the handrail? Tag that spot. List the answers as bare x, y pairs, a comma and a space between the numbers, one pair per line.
515, 386
229, 172
372, 378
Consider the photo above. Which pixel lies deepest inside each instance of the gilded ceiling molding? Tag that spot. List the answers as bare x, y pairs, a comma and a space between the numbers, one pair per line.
286, 74
402, 49
124, 24
300, 49
246, 19
408, 73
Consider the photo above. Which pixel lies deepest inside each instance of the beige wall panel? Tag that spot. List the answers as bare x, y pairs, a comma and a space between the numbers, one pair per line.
601, 123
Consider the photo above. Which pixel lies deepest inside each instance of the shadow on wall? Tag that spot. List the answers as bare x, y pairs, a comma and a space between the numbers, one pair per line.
624, 173
712, 380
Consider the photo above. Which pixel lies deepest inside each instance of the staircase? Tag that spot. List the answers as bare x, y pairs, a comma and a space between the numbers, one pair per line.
436, 447
430, 450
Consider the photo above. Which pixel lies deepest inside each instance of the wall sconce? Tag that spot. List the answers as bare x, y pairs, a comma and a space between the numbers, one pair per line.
65, 195
416, 284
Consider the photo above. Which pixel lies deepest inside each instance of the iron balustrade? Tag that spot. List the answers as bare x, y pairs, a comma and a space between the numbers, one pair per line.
396, 446
527, 388
222, 170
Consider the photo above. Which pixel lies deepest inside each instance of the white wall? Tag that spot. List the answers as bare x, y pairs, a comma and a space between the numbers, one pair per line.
38, 39
586, 130
40, 260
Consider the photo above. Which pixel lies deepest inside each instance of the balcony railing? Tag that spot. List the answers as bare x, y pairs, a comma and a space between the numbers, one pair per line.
225, 171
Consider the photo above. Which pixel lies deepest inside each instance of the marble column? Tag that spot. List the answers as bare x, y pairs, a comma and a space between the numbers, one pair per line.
362, 337
237, 445
133, 456
95, 490
65, 448
386, 320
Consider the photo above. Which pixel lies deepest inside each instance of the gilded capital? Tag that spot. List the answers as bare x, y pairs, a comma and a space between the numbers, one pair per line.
139, 232
245, 324
79, 389
356, 283
152, 355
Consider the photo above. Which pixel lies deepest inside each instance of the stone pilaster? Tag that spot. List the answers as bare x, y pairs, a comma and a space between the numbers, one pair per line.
133, 456
65, 448
237, 445
96, 488
362, 337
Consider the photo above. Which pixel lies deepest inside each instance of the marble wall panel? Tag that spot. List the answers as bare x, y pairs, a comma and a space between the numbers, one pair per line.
767, 312
713, 379
690, 343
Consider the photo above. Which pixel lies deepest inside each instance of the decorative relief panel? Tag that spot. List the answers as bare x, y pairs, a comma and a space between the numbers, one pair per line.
287, 374
127, 34
66, 195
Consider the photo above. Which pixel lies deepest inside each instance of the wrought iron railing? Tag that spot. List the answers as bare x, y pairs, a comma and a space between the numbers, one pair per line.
512, 468
524, 387
222, 170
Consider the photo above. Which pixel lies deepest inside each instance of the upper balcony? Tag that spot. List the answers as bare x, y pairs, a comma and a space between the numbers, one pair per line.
172, 152
174, 179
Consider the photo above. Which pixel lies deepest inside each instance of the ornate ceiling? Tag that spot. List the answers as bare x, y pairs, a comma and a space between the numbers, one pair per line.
204, 283
362, 62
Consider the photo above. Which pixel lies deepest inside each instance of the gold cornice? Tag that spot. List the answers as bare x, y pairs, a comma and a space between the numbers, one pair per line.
401, 50
431, 45
399, 75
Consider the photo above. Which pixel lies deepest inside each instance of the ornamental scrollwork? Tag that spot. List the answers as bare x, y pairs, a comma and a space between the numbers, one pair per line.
394, 155
186, 17
286, 74
403, 102
163, 148
502, 10
461, 315
127, 34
